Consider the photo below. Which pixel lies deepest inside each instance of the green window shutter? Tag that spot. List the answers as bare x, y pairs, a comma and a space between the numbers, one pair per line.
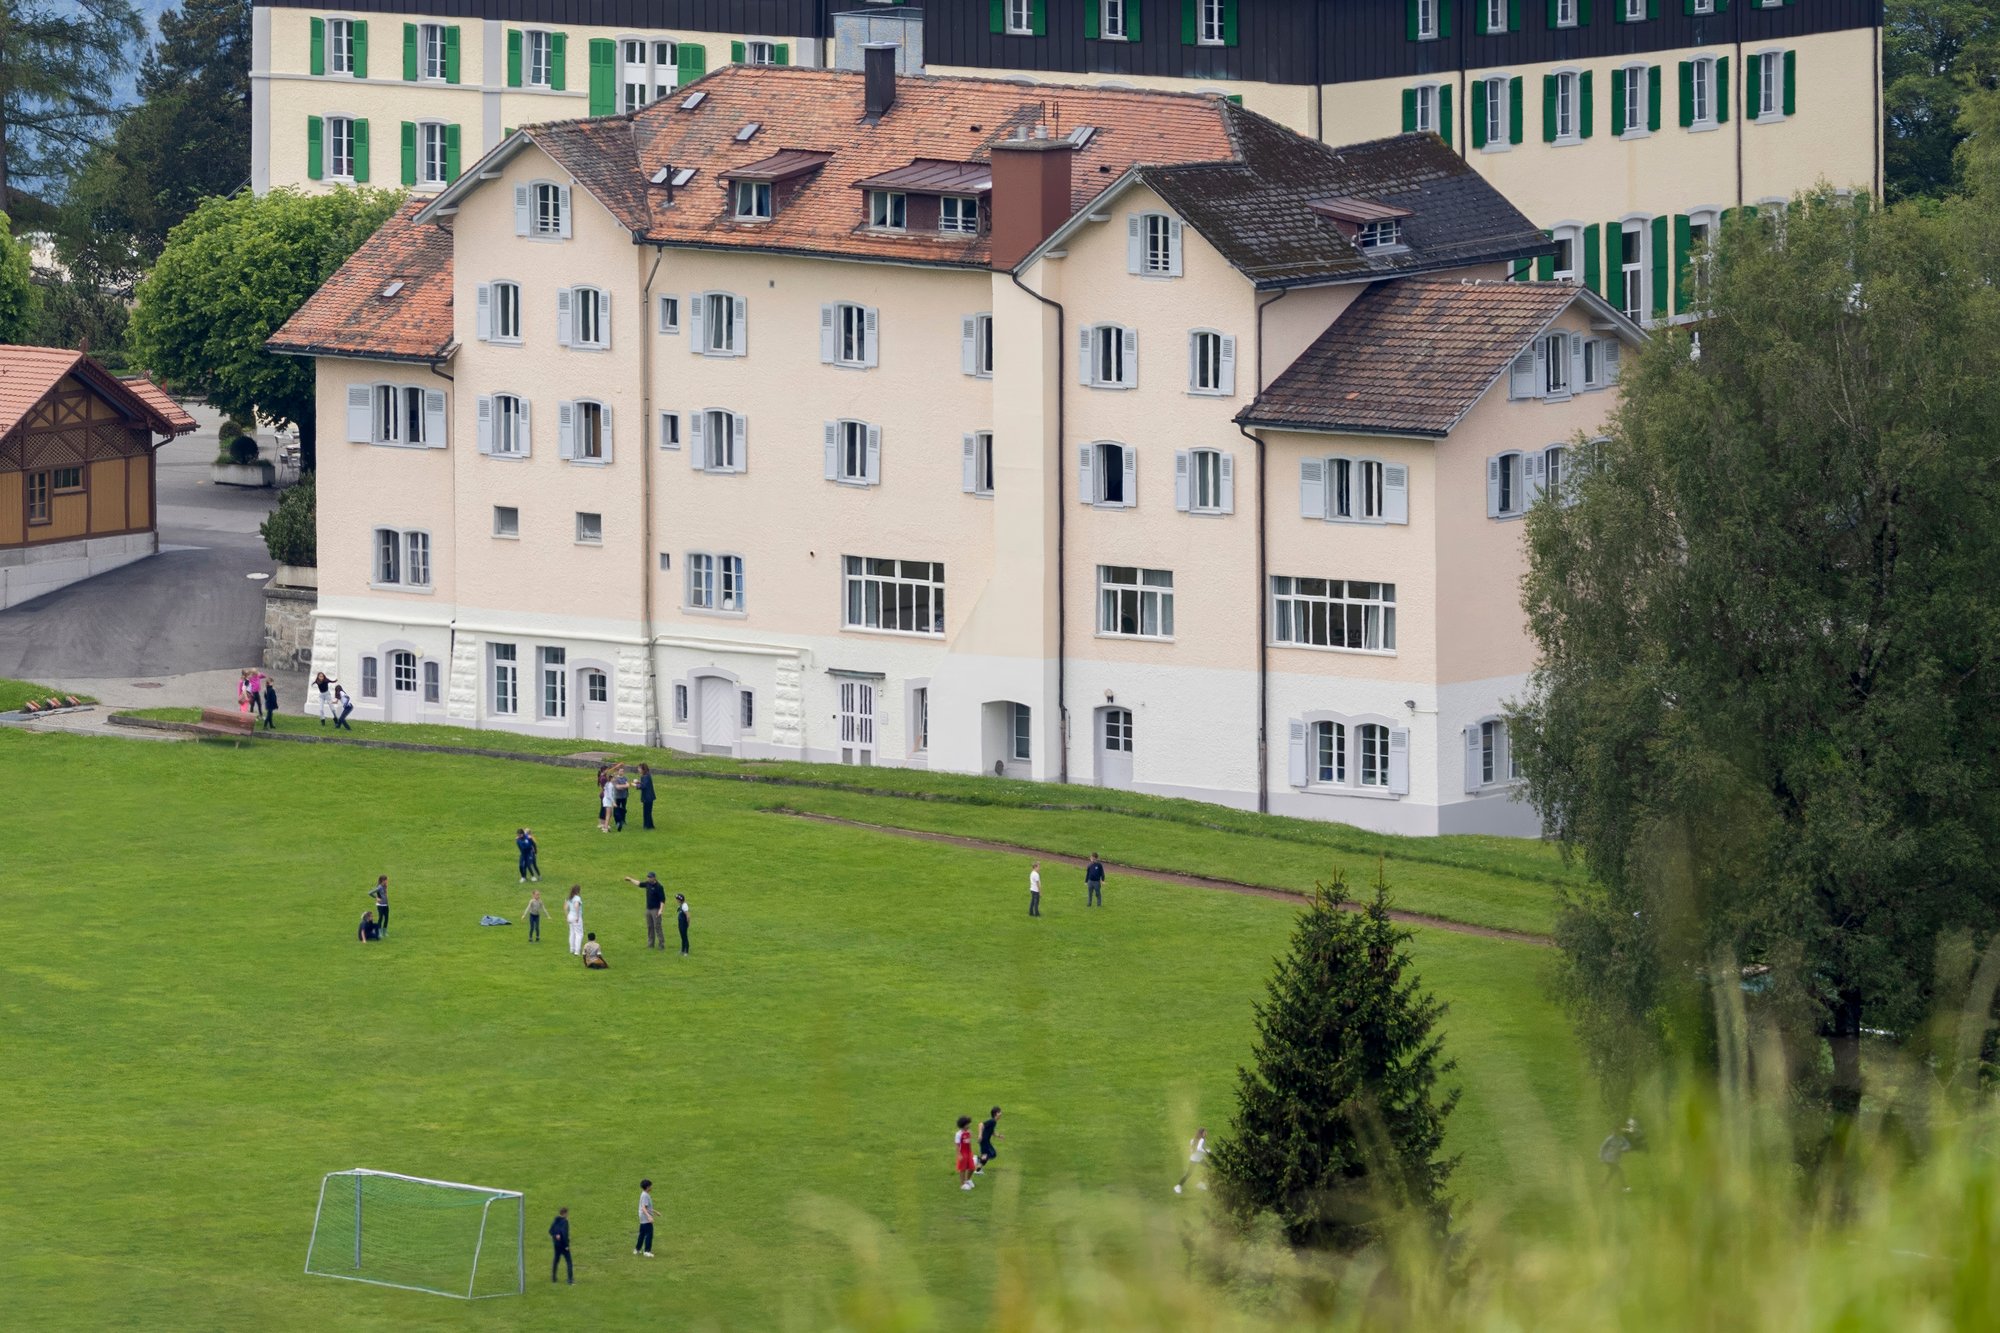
691, 60
1479, 115
1660, 267
1586, 106
1479, 28
316, 58
604, 76
315, 146
1593, 276
409, 53
409, 153
1687, 8
1652, 9
1513, 15
1545, 265
1791, 102
451, 152
1522, 267
997, 17
1548, 108
361, 48
1687, 93
513, 57
1188, 21
558, 61
1444, 113
1090, 21
1229, 21
1614, 263
1617, 102
1583, 13
1652, 97
736, 53
360, 152
1038, 17
1409, 19
1444, 19
1552, 12
1753, 84
1683, 261
1132, 8
1409, 110
782, 51
1234, 99
1721, 83
451, 54
1514, 86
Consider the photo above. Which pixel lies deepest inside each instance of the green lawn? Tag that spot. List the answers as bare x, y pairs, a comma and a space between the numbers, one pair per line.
193, 1037
14, 693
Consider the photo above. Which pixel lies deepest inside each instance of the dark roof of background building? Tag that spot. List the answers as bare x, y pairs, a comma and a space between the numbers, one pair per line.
28, 374
361, 311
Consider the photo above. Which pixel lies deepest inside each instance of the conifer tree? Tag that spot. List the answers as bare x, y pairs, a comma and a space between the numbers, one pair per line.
1338, 1125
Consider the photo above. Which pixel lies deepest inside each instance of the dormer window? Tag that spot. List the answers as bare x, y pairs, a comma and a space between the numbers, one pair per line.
889, 210
1380, 235
1370, 226
958, 215
753, 201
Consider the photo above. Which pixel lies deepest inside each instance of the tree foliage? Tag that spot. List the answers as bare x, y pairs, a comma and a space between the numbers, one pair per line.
58, 61
1768, 709
290, 534
1338, 1128
1935, 54
20, 304
234, 271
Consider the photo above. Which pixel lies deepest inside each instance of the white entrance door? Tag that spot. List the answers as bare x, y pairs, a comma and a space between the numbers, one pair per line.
402, 686
593, 719
717, 734
1114, 747
857, 722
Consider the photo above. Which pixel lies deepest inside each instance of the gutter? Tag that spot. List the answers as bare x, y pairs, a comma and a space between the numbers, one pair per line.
1263, 582
1062, 529
647, 446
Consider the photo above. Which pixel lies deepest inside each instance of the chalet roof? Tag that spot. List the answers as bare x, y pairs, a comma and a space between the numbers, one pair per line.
28, 374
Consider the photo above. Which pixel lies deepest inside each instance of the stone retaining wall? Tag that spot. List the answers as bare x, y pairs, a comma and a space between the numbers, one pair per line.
288, 627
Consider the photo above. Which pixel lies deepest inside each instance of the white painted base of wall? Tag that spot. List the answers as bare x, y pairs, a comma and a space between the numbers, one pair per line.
28, 572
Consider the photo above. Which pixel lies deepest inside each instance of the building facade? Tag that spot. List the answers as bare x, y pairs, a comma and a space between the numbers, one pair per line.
942, 422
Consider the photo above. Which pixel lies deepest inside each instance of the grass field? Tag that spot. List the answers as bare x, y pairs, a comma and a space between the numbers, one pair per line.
14, 693
194, 1037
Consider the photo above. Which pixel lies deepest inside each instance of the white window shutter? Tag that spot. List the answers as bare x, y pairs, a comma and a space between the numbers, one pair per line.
1181, 480
604, 423
360, 413
1131, 476
1135, 244
566, 431
1533, 473
741, 426
485, 424
1612, 347
1129, 342
1475, 756
697, 441
527, 434
826, 335
562, 196
874, 455
1228, 363
523, 211
1228, 483
1312, 488
1085, 454
872, 324
1575, 362
483, 323
669, 437
1086, 362
968, 345
1493, 486
1395, 493
742, 309
832, 450
1521, 377
435, 423
968, 465
696, 303
1194, 362
604, 318
1174, 246
1541, 381
565, 316
1295, 767
1399, 761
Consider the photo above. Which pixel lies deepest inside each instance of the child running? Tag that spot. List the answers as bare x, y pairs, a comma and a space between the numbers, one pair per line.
1197, 1156
963, 1139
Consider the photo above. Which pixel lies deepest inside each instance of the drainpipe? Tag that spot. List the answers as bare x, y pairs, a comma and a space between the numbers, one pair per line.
451, 629
647, 444
1062, 528
1743, 105
1263, 584
1319, 73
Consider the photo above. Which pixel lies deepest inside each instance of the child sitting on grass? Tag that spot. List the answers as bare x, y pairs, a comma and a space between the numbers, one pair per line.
593, 952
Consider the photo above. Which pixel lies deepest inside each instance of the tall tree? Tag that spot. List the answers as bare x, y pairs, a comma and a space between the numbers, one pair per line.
1933, 53
1338, 1129
229, 276
58, 60
1768, 709
19, 302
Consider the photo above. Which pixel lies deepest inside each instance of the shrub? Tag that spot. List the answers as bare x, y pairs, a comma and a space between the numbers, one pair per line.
289, 533
242, 448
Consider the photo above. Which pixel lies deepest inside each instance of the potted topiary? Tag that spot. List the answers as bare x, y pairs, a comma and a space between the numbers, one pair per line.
291, 537
237, 462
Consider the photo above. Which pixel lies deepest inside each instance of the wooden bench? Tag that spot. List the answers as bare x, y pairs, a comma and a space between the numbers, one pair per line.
223, 722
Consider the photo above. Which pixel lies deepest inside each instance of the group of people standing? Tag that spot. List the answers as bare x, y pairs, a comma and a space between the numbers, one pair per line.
257, 695
1093, 885
333, 702
584, 943
614, 790
559, 1235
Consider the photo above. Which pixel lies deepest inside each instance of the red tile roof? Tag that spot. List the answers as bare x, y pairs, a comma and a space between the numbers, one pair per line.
352, 316
160, 401
27, 374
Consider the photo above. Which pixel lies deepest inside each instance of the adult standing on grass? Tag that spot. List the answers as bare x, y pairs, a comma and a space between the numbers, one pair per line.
989, 1130
1093, 882
559, 1233
656, 904
1035, 890
621, 792
525, 846
573, 909
323, 696
380, 893
645, 1243
681, 898
646, 795
966, 1166
534, 915
604, 798
270, 704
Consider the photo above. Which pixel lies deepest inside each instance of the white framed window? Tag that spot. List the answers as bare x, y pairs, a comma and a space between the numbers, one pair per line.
433, 155
433, 681
648, 71
504, 425
1425, 20
498, 317
1212, 27
958, 215
853, 453
1344, 489
402, 558
400, 414
506, 521
1371, 755
753, 201
1204, 481
668, 310
1702, 6
680, 705
1424, 107
721, 325
1567, 266
1551, 367
888, 210
589, 529
714, 582
583, 429
431, 63
1556, 369
1211, 363
1701, 90
1563, 13
1635, 88
1020, 18
1111, 20
670, 430
1489, 755
1135, 603
1381, 234
975, 345
976, 473
1704, 224
1346, 614
1355, 755
340, 46
920, 719
1555, 471
1566, 106
1109, 356
749, 709
1496, 95
1496, 15
1769, 71
1153, 245
1635, 10
340, 148
898, 596
541, 210
1514, 482
506, 669
403, 672
721, 441
760, 53
583, 318
1600, 362
1630, 294
1329, 753
1021, 726
370, 677
555, 682
1108, 475
847, 335
538, 57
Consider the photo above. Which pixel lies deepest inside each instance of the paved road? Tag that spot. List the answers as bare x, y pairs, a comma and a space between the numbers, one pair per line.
191, 608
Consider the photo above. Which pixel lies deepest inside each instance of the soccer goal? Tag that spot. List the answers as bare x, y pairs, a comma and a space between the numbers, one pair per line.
421, 1235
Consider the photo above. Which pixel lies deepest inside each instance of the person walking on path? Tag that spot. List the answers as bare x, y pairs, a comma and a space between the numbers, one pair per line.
573, 910
1035, 890
604, 799
989, 1130
1197, 1156
681, 898
963, 1139
343, 704
1093, 882
656, 905
621, 792
645, 1245
270, 704
559, 1233
534, 915
323, 696
645, 796
380, 893
525, 845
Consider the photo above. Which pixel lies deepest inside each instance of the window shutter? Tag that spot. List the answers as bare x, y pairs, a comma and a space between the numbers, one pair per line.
1575, 363
874, 473
781, 53
1229, 21
566, 431
451, 150
1189, 31
1687, 90
831, 450
1653, 97
968, 345
1181, 480
1084, 490
740, 427
1545, 267
360, 48
1683, 260
409, 153
827, 349
1548, 108
697, 446
1409, 110
559, 62
1228, 473
1479, 114
562, 204
1659, 258
1583, 13
483, 321
1229, 363
603, 76
1134, 245
1612, 350
315, 149
1174, 247
669, 437
1086, 369
485, 423
1513, 15
1790, 104
1753, 86
1444, 113
1038, 17
1618, 77
604, 318
1554, 17
736, 50
1493, 486
1312, 488
1514, 86
360, 413
513, 57
968, 464
565, 316
1614, 263
1586, 105
1721, 83
527, 432
1132, 18
1131, 476
1295, 752
1395, 493
409, 53
523, 211
1399, 761
1475, 759
996, 16
871, 323
1592, 273
604, 416
1521, 378
1128, 339
316, 58
696, 343
1090, 31
691, 60
360, 150
740, 308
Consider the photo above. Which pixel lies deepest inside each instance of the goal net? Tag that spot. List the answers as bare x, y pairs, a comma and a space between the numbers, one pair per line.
421, 1235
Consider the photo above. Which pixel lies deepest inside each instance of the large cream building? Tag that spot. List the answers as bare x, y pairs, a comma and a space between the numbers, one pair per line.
1105, 436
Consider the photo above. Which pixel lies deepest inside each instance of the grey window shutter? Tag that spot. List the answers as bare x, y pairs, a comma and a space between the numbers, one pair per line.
523, 211
1229, 483
485, 424
527, 434
1131, 476
871, 324
874, 456
604, 318
1521, 377
742, 310
968, 345
1296, 753
696, 304
1128, 339
697, 441
1194, 362
483, 323
1575, 362
832, 451
1395, 493
1085, 455
562, 197
1312, 488
1532, 474
1399, 761
968, 465
1541, 369
565, 317
1135, 244
1228, 363
1174, 246
435, 423
741, 429
1493, 486
1086, 361
1612, 348
827, 349
604, 423
566, 431
360, 413
1181, 480
1475, 756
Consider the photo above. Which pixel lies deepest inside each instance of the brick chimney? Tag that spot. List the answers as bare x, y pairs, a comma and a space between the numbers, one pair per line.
1031, 194
878, 72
